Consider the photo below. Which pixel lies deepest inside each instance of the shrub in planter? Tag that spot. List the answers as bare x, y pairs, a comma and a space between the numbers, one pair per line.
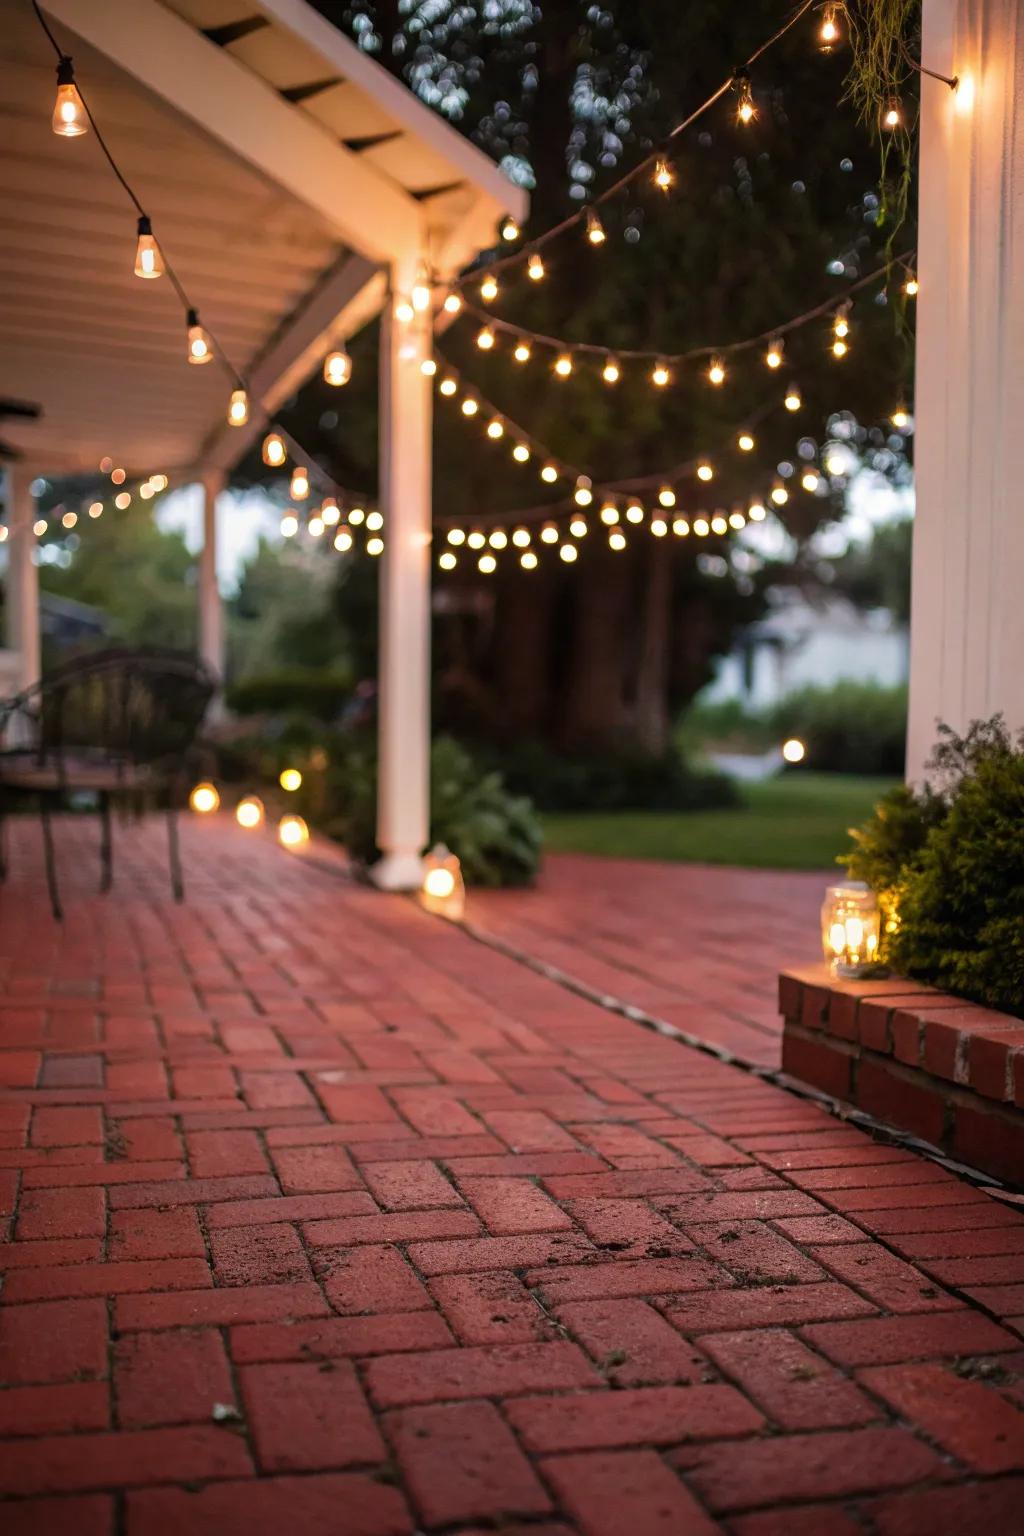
948, 865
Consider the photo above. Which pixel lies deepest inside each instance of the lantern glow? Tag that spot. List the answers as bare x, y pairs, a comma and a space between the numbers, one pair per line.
850, 928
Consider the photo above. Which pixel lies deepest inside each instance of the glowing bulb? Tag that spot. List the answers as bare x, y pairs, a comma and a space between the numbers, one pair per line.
337, 368
611, 372
489, 290
568, 552
667, 496
780, 495
476, 539
96, 509
238, 408
829, 30
375, 547
447, 561
200, 347
841, 326
701, 527
757, 512
522, 353
487, 564
810, 480
299, 488
617, 539
118, 476
146, 490
794, 750
609, 514
290, 779
520, 537
159, 482
680, 527
634, 513
745, 442
839, 348
274, 451
664, 175
70, 119
69, 519
705, 472
719, 524
148, 261
746, 111
595, 229
404, 311
737, 520
374, 521
528, 560
716, 372
963, 95
315, 527
249, 812
899, 418
521, 453
510, 230
498, 539
659, 527
485, 339
892, 116
660, 375
456, 535
448, 387
793, 400
583, 495
549, 474
535, 269
773, 356
289, 525
420, 294
204, 799
330, 512
292, 832
496, 428
549, 534
123, 500
578, 527
563, 366
470, 406
912, 287
343, 541
452, 304
428, 367
356, 515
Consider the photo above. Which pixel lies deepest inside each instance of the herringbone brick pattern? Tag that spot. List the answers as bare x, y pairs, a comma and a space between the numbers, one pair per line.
325, 1218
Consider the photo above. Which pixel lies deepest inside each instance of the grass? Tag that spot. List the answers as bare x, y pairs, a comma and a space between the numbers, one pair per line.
798, 821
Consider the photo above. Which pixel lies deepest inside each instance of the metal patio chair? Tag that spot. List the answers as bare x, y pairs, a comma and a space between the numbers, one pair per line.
118, 724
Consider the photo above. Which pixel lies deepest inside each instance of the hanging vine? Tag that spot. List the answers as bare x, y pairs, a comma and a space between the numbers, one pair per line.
884, 43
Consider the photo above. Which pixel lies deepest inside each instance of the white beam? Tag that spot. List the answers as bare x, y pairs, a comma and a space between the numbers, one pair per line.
369, 212
403, 792
349, 297
967, 618
21, 616
211, 610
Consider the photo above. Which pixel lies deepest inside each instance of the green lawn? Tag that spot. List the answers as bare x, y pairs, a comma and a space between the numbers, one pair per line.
798, 821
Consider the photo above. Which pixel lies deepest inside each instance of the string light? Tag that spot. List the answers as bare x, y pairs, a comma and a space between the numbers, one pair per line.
148, 261
828, 33
489, 289
420, 294
96, 509
568, 553
701, 527
375, 547
578, 527
289, 525
563, 365
609, 514
659, 527
634, 512
476, 539
528, 560
200, 347
595, 229
495, 428
549, 534
520, 537
123, 501
705, 472
70, 119
498, 539
716, 372
374, 521
118, 476
583, 495
535, 268
485, 339
779, 494
911, 287
680, 527
238, 408
452, 303
719, 524
793, 402
745, 442
403, 310
664, 176
667, 496
737, 520
900, 418
549, 474
892, 116
315, 527
510, 229
746, 110
356, 515
487, 564
448, 387
69, 519
611, 372
456, 535
521, 453
522, 353
330, 512
773, 356
617, 540
428, 367
757, 512
661, 375
810, 480
337, 368
299, 488
447, 561
39, 527
470, 406
274, 451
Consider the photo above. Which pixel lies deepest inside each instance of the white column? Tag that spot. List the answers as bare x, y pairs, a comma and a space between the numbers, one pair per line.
22, 591
967, 619
406, 403
211, 611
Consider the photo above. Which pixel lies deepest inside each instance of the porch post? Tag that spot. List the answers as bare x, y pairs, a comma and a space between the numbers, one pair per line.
211, 612
22, 596
406, 404
967, 616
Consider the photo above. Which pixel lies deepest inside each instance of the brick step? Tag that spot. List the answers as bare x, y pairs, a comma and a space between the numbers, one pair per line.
917, 1059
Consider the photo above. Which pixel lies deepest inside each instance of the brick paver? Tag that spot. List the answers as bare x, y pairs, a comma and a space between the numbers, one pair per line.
321, 1217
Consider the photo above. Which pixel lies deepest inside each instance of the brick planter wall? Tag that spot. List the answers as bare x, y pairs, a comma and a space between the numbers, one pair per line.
915, 1058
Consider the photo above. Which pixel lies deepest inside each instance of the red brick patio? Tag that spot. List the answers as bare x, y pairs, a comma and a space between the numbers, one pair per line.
327, 1218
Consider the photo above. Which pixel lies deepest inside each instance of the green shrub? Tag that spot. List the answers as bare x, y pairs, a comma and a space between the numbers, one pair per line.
611, 781
847, 728
948, 866
296, 692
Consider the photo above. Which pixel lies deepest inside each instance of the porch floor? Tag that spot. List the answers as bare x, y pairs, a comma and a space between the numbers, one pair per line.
326, 1217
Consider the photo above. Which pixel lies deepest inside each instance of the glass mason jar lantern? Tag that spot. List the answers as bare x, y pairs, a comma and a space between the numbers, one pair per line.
443, 890
850, 928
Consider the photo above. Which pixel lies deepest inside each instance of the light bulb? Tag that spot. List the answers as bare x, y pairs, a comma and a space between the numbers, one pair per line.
40, 525
595, 229
403, 310
892, 116
617, 539
428, 367
420, 294
200, 347
476, 539
549, 534
447, 561
337, 368
70, 119
452, 304
238, 408
521, 453
528, 560
510, 229
745, 442
315, 527
583, 495
498, 539
563, 365
660, 375
487, 564
470, 406
737, 520
148, 261
448, 387
828, 33
356, 515
118, 476
667, 496
701, 527
343, 541
757, 512
839, 348
568, 553
773, 356
535, 268
611, 372
249, 812
780, 495
719, 524
793, 401
680, 527
290, 779
841, 326
489, 290
522, 352
810, 480
69, 519
716, 371
289, 525
520, 537
578, 527
746, 110
609, 514
634, 513
274, 451
659, 527
496, 428
299, 488
664, 175
485, 339
456, 535
899, 418
549, 474
121, 501
292, 832
705, 472
374, 521
911, 287
375, 546
96, 509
